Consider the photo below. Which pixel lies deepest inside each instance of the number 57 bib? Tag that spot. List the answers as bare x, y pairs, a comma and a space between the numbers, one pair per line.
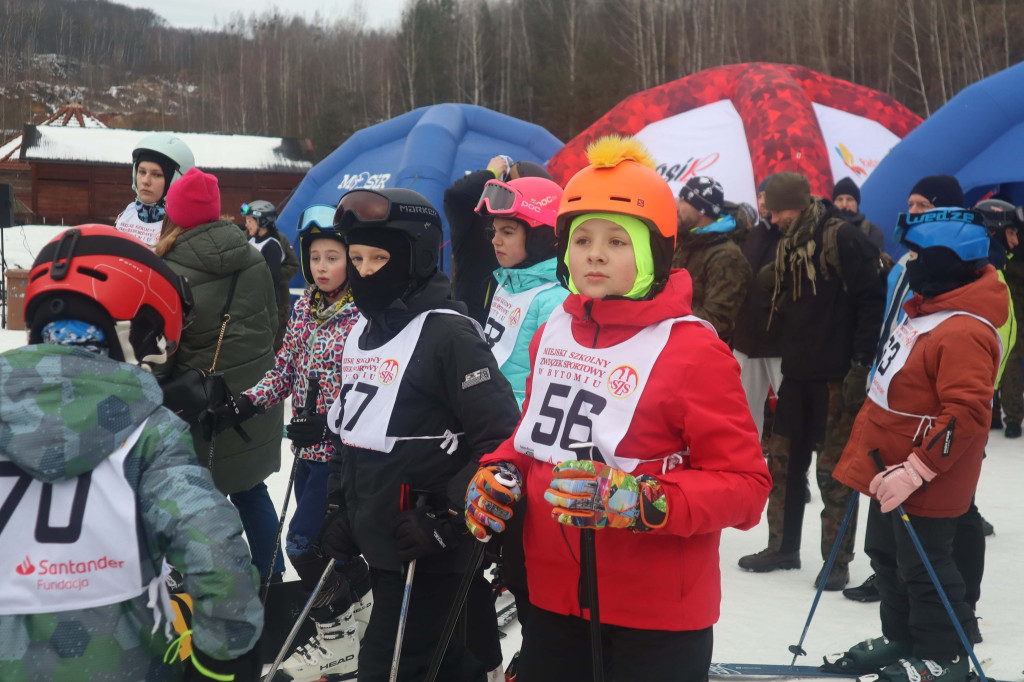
582, 394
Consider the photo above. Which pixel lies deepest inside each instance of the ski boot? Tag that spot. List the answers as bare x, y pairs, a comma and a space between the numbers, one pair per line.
927, 670
869, 656
333, 651
361, 611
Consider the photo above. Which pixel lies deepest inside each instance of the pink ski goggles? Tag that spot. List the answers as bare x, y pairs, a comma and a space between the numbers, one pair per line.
499, 199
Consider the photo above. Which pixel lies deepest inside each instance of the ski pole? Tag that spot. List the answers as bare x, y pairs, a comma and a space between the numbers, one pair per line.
460, 597
931, 574
798, 649
308, 407
298, 622
403, 616
588, 564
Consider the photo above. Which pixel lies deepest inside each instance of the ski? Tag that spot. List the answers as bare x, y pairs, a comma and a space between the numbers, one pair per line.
762, 670
507, 614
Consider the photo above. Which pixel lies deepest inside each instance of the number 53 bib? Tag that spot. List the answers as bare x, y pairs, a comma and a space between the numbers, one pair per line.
582, 394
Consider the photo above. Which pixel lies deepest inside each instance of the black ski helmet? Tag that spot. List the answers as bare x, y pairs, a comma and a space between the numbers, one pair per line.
316, 222
398, 209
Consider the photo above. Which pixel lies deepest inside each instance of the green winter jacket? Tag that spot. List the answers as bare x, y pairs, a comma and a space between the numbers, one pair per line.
208, 255
64, 411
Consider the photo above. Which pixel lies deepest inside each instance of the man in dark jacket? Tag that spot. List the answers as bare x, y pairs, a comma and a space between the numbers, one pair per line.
755, 346
706, 247
422, 401
473, 260
827, 299
846, 198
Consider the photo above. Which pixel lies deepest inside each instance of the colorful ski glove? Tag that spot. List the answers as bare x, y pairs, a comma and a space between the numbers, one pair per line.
489, 499
307, 430
893, 486
588, 494
423, 531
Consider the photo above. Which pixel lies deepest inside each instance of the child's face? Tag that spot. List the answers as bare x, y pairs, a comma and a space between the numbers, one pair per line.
327, 264
150, 182
509, 242
601, 259
367, 259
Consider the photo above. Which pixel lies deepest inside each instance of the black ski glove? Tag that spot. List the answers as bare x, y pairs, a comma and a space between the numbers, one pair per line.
307, 430
422, 531
855, 387
336, 539
227, 416
202, 668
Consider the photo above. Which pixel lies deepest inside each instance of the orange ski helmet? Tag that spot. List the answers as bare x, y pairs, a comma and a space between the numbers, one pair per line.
621, 179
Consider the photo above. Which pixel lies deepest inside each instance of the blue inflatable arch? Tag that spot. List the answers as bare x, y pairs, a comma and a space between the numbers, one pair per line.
978, 136
426, 150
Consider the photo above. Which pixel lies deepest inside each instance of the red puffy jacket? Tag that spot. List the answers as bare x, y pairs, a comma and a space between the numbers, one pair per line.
666, 579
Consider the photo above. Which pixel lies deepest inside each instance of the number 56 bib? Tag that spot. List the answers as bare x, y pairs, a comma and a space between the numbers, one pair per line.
582, 394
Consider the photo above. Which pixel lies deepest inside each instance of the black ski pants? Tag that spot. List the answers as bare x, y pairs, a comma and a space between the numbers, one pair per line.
432, 597
556, 648
911, 609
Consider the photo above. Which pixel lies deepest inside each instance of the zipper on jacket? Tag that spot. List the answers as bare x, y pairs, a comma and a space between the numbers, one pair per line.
588, 307
948, 432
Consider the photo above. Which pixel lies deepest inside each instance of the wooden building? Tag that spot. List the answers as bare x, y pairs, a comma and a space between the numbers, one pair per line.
81, 175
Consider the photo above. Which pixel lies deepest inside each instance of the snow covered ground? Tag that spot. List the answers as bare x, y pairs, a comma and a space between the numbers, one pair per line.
762, 614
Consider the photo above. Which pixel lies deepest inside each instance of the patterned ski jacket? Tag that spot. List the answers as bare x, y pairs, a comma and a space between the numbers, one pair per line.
72, 422
309, 348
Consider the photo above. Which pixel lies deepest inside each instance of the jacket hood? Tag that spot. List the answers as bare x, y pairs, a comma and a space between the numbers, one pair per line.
673, 301
723, 225
65, 410
985, 297
215, 248
517, 280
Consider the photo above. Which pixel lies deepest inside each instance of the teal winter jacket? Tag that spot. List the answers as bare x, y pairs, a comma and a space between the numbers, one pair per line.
516, 281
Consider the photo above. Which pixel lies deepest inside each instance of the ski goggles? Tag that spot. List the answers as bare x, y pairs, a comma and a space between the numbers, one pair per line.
501, 200
958, 216
362, 206
319, 217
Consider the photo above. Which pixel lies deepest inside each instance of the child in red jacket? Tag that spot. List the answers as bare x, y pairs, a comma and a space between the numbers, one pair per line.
624, 365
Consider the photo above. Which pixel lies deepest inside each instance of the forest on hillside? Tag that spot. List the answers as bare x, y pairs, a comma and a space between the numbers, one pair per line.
558, 63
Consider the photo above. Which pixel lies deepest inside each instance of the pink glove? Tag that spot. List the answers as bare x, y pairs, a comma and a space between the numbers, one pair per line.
893, 486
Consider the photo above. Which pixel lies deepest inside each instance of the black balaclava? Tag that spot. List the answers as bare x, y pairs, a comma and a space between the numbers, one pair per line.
937, 270
540, 245
377, 292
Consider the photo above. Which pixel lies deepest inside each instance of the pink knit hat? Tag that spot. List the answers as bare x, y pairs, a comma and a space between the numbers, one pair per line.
194, 199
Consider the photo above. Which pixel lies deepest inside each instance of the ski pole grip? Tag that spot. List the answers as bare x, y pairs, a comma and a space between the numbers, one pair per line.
312, 395
877, 459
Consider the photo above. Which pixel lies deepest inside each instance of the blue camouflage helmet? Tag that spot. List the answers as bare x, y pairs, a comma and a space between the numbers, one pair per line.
961, 231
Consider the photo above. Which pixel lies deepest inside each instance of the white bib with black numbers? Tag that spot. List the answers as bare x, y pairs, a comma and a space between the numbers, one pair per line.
370, 382
901, 342
259, 245
69, 545
505, 319
588, 395
129, 222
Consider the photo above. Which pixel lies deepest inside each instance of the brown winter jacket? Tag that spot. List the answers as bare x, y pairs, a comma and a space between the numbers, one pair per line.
720, 274
949, 375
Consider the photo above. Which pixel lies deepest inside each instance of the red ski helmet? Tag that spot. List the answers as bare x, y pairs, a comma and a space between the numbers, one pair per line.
99, 275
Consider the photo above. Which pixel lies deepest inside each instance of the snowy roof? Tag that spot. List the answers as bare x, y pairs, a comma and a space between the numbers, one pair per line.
72, 115
212, 152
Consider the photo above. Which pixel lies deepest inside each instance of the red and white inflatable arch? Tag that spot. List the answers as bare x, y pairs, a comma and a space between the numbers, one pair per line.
741, 122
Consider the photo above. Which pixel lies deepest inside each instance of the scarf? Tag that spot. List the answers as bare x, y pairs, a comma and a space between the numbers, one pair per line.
323, 308
150, 213
795, 254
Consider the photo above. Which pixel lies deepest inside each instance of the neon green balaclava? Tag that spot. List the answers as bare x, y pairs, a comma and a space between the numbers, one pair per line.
639, 234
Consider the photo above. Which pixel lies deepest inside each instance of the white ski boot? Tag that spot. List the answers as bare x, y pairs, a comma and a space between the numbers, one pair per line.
362, 611
333, 650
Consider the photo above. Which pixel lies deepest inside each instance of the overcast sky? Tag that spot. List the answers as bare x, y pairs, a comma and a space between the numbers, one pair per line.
210, 14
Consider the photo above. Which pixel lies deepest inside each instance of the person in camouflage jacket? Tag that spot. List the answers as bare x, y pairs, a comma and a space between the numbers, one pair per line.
81, 598
707, 248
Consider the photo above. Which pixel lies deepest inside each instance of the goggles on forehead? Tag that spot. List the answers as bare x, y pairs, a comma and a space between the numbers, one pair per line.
501, 200
248, 210
363, 206
908, 221
317, 216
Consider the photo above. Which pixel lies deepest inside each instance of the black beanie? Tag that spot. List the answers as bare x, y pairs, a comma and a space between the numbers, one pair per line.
846, 186
761, 186
166, 165
941, 190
